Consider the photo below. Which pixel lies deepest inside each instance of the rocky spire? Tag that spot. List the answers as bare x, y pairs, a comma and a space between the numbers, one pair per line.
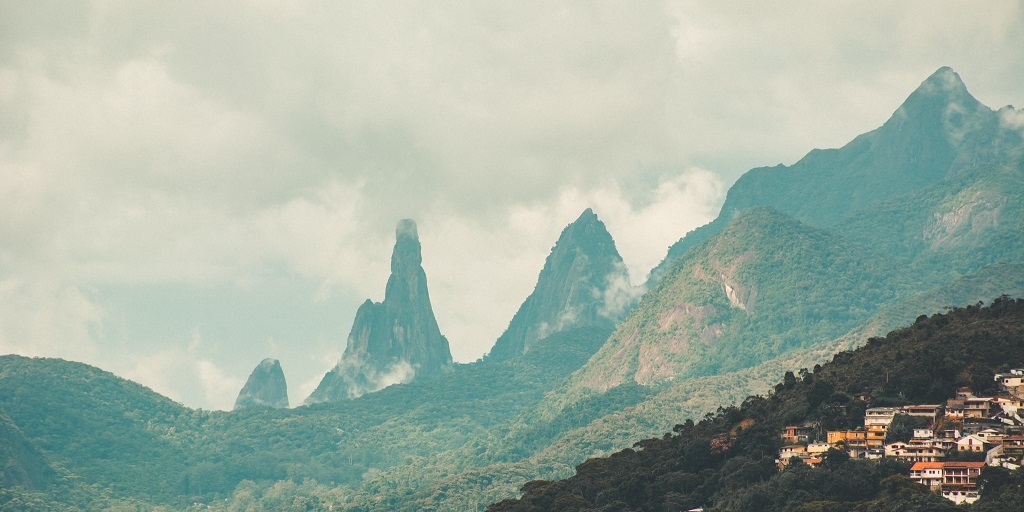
583, 284
266, 387
393, 341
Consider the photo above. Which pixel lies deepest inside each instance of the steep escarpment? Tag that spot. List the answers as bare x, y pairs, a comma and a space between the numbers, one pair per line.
393, 341
583, 284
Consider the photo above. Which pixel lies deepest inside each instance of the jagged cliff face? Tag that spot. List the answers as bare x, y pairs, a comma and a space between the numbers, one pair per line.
583, 284
266, 387
937, 133
393, 341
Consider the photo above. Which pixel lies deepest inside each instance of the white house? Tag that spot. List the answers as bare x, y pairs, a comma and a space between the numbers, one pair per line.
880, 416
971, 443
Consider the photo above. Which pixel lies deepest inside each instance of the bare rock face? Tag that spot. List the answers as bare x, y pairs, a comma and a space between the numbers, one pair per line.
583, 284
266, 387
394, 341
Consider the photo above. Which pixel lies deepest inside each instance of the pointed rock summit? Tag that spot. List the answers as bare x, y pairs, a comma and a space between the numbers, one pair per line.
583, 284
393, 341
266, 387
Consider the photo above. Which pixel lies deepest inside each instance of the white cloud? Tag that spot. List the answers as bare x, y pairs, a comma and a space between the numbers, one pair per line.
145, 146
42, 317
184, 373
1012, 118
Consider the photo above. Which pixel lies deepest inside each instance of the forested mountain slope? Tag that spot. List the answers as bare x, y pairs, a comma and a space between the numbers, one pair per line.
726, 461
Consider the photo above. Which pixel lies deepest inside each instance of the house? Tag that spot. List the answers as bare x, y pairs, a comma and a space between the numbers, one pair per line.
817, 448
801, 452
955, 481
977, 407
876, 436
895, 450
923, 411
971, 443
788, 452
880, 416
975, 425
950, 433
853, 441
991, 436
960, 481
928, 474
923, 433
927, 450
1012, 380
793, 434
1013, 446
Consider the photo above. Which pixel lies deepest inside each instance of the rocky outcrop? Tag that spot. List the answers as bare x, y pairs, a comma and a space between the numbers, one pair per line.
266, 387
394, 341
583, 284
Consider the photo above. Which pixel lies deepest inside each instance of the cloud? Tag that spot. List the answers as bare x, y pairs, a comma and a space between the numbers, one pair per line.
185, 374
49, 318
619, 296
265, 148
1012, 118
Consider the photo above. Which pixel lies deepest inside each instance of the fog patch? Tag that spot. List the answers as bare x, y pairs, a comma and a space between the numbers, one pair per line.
619, 296
1011, 118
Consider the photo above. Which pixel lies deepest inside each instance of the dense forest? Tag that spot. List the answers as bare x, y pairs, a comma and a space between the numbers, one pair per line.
726, 461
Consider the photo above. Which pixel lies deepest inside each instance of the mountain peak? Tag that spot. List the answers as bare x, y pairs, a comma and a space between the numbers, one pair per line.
266, 387
583, 284
940, 95
588, 215
407, 253
393, 341
406, 229
945, 78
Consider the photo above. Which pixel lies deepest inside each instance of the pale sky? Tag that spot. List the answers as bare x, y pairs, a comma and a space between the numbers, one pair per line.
186, 189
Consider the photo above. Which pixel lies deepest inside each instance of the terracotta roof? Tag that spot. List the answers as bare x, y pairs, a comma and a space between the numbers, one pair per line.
918, 466
957, 464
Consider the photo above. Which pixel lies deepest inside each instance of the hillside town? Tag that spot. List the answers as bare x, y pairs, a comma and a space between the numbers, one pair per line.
948, 444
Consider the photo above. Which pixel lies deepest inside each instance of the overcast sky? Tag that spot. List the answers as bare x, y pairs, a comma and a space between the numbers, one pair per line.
186, 189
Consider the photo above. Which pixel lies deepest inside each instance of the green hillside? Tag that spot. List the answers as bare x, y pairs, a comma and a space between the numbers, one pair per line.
726, 461
766, 285
137, 445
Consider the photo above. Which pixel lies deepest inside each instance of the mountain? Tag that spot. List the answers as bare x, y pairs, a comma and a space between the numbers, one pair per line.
393, 341
772, 288
939, 131
115, 434
265, 387
583, 284
766, 285
726, 461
